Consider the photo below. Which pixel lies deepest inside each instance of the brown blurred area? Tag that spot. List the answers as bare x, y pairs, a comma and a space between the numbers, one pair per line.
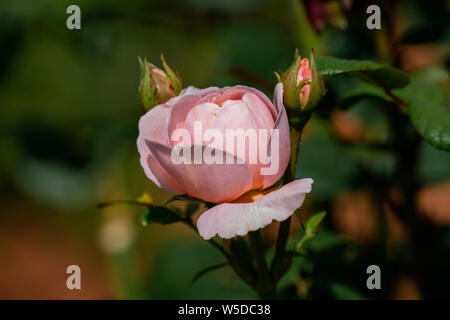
35, 252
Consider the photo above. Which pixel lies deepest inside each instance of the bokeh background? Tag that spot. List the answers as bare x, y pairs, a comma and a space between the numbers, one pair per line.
68, 124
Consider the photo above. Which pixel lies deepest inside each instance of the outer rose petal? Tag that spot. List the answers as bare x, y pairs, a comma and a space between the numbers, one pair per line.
282, 125
237, 219
210, 182
152, 125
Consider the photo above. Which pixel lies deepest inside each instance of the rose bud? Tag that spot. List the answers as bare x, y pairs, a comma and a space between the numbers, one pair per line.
303, 85
157, 86
242, 189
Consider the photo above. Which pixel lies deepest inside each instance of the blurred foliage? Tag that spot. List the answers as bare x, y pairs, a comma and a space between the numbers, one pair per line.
69, 112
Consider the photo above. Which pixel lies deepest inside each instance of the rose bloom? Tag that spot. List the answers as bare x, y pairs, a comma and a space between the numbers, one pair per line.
244, 202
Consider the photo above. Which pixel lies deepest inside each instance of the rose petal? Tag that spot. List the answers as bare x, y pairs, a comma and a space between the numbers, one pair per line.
263, 97
253, 114
236, 219
194, 90
181, 105
261, 114
152, 125
211, 182
278, 96
284, 144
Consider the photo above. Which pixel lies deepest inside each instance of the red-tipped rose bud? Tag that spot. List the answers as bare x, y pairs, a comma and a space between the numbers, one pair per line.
157, 86
304, 73
303, 85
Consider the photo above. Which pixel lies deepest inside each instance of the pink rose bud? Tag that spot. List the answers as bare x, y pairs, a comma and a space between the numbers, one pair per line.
304, 73
157, 86
303, 85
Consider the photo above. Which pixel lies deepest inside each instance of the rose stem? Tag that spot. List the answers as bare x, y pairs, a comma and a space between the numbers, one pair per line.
289, 176
265, 284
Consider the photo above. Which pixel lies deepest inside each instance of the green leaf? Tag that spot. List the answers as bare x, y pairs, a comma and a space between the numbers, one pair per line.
428, 112
419, 90
314, 221
159, 214
208, 269
363, 91
310, 228
383, 75
432, 121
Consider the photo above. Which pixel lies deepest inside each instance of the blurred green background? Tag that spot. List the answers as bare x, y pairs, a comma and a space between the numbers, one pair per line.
68, 125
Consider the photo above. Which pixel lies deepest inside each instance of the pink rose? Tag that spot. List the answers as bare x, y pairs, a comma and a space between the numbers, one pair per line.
236, 187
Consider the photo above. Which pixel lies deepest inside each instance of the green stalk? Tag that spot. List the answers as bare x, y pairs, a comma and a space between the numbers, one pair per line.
278, 266
265, 284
